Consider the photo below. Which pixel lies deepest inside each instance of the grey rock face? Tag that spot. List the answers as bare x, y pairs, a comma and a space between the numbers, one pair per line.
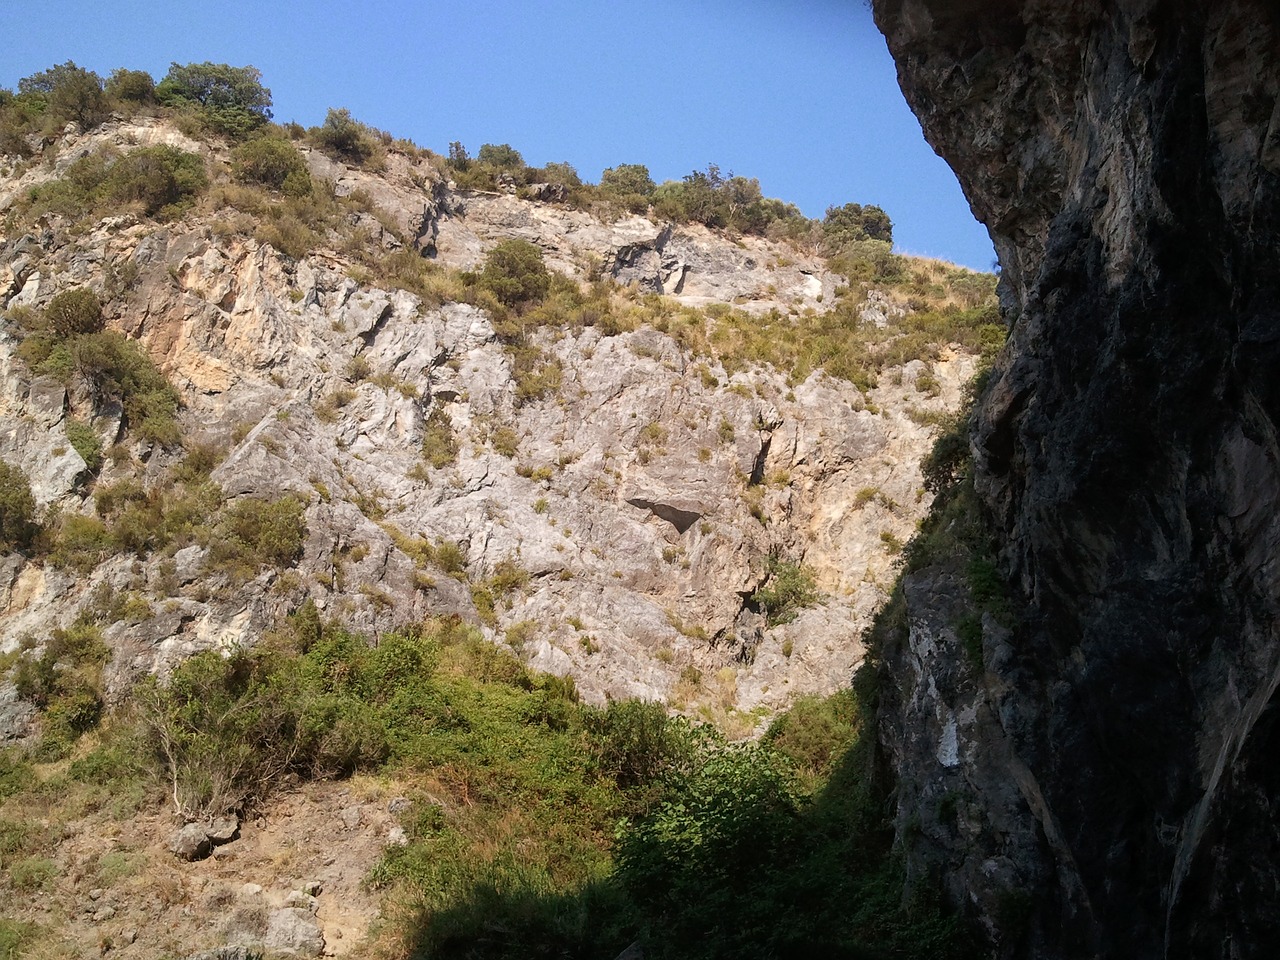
190, 842
294, 930
1114, 766
642, 498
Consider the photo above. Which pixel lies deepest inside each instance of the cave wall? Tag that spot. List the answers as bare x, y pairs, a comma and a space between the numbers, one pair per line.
1106, 783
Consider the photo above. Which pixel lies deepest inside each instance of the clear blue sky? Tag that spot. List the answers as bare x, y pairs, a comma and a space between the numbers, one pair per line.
802, 96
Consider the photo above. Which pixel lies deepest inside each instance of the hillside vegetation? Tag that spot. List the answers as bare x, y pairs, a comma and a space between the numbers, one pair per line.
308, 485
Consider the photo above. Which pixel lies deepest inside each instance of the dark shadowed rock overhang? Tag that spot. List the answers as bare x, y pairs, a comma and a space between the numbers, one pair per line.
1124, 156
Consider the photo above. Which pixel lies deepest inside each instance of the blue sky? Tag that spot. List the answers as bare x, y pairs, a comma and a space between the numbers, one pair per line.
801, 96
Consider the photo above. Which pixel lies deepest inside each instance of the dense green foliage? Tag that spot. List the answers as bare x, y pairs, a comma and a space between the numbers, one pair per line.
343, 136
272, 162
253, 533
788, 589
116, 368
73, 312
232, 100
159, 181
515, 274
70, 93
17, 509
131, 86
853, 222
542, 827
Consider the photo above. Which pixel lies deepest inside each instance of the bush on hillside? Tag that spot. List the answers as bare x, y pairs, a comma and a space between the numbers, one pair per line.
69, 93
272, 162
853, 222
17, 509
73, 312
501, 155
515, 273
627, 179
162, 179
344, 136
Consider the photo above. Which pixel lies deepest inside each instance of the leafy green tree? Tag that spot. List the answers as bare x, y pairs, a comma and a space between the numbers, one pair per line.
73, 312
232, 98
131, 86
70, 93
501, 155
515, 274
853, 222
561, 173
17, 509
459, 159
628, 178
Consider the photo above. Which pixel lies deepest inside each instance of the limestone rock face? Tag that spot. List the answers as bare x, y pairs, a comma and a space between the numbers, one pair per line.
1110, 771
640, 501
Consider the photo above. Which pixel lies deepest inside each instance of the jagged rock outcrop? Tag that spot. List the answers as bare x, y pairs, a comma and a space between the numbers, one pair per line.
1106, 783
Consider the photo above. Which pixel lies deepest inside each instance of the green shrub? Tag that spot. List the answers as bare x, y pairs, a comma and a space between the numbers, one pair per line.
81, 543
231, 99
816, 732
789, 588
344, 136
131, 87
501, 155
73, 312
439, 445
627, 179
15, 937
254, 533
70, 93
272, 162
32, 873
17, 509
854, 222
65, 683
84, 440
162, 179
15, 775
515, 274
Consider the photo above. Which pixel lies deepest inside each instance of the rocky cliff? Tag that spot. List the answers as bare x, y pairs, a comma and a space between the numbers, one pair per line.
613, 525
1105, 784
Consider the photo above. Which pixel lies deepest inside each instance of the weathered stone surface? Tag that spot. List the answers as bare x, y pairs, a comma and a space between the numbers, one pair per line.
1112, 767
294, 930
221, 830
190, 842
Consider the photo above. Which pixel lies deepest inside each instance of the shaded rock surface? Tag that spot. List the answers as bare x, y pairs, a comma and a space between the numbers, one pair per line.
1109, 774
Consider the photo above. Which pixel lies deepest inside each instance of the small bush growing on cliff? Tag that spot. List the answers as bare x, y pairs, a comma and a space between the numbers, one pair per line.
343, 136
272, 162
65, 683
439, 445
17, 509
162, 181
515, 274
73, 312
788, 589
255, 533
